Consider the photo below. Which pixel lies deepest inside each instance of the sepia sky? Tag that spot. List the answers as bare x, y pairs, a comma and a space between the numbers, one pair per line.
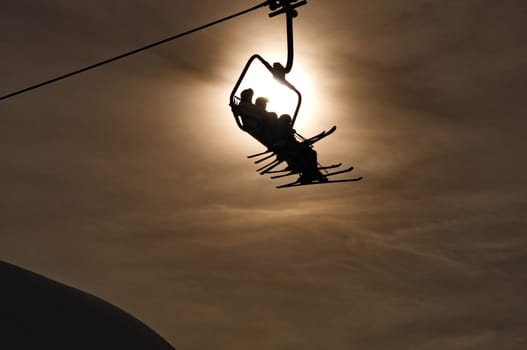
131, 181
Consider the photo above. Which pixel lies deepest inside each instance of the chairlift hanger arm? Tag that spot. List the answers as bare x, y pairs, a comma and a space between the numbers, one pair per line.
288, 7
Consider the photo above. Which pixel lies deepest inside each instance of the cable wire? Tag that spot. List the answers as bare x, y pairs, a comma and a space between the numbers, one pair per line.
129, 53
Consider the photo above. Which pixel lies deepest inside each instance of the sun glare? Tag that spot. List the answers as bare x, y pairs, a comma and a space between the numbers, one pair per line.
282, 100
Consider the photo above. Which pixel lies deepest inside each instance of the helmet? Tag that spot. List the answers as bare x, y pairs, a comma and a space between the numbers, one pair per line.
285, 119
247, 95
262, 101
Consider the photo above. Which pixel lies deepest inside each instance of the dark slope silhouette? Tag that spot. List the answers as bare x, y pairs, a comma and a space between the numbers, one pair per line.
38, 313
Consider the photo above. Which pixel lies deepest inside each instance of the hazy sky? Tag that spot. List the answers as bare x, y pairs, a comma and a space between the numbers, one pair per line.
131, 181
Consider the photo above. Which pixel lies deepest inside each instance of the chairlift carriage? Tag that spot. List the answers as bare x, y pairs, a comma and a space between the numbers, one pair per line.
283, 144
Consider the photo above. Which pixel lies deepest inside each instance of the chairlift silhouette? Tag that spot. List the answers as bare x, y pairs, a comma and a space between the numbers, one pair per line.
278, 134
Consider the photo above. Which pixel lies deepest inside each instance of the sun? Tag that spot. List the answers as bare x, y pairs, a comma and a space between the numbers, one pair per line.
281, 99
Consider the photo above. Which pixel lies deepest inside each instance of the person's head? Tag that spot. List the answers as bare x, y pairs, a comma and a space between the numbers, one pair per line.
247, 95
261, 102
285, 119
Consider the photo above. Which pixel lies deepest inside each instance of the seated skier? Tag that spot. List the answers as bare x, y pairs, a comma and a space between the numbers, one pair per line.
268, 120
299, 156
284, 133
256, 119
246, 110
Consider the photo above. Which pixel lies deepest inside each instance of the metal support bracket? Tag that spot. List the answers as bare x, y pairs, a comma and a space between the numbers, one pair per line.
288, 7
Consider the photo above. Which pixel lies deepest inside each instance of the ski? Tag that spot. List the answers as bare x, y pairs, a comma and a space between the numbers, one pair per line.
297, 183
259, 154
295, 172
263, 170
339, 172
278, 171
284, 175
329, 166
264, 158
320, 136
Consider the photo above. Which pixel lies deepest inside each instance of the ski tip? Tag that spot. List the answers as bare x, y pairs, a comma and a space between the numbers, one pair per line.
294, 184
